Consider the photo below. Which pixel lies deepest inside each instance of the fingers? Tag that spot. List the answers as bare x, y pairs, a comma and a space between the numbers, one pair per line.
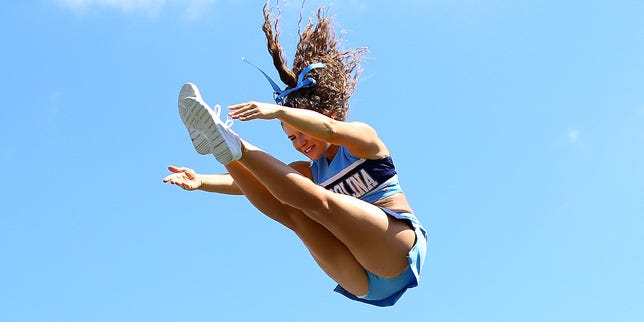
242, 106
180, 176
181, 169
253, 110
236, 106
174, 169
243, 112
173, 178
245, 116
179, 179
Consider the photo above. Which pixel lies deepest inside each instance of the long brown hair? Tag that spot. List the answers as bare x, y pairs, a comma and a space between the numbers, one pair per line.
318, 43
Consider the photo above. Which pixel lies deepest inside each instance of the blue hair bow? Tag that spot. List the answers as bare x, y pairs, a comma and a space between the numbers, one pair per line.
280, 94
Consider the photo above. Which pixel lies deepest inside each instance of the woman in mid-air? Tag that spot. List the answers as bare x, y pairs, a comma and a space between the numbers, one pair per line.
346, 204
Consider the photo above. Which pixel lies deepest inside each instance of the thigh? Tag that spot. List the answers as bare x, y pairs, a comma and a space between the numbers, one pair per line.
378, 241
331, 254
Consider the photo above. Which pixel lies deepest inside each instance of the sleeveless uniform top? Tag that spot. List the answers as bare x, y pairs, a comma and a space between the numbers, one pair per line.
368, 180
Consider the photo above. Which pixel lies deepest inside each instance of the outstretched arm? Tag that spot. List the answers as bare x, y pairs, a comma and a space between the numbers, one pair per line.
360, 138
188, 179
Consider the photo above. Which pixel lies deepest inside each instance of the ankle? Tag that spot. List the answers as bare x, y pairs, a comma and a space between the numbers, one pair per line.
244, 148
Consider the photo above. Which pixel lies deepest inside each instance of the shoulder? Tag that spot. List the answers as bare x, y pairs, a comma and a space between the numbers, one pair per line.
364, 141
303, 167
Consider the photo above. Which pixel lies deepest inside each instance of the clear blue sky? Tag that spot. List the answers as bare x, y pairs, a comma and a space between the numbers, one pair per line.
517, 128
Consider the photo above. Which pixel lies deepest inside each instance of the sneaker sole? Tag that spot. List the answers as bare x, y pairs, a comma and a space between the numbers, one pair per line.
187, 90
198, 140
200, 124
207, 135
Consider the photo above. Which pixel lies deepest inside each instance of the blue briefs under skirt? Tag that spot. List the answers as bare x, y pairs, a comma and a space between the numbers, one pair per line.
387, 291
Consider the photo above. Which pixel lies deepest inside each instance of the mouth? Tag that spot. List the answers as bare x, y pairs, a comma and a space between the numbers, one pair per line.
307, 150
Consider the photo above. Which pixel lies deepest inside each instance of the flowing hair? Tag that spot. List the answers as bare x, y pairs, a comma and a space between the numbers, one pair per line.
318, 43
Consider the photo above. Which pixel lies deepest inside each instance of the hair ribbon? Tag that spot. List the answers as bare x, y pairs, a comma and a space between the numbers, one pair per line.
280, 94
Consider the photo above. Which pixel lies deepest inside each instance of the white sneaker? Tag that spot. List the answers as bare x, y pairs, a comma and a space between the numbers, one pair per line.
189, 90
208, 133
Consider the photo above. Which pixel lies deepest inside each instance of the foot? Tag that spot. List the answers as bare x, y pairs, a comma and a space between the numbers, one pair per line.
208, 133
189, 90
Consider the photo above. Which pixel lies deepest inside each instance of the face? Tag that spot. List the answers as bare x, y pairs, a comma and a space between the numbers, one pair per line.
311, 147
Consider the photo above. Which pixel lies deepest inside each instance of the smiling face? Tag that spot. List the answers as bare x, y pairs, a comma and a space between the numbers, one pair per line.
311, 147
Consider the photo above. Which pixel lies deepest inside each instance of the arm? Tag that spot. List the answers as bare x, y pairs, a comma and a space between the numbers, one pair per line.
303, 167
188, 179
360, 138
219, 183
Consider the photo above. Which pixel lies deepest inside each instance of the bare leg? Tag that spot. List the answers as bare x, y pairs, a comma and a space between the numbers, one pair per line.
378, 242
328, 251
259, 196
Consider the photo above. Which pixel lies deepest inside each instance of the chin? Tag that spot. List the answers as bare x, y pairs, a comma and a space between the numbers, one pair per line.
314, 157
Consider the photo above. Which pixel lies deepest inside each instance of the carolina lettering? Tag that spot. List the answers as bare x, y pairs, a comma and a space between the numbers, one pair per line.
339, 188
356, 185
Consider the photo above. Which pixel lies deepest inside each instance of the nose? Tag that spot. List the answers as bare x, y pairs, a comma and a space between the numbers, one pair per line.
299, 142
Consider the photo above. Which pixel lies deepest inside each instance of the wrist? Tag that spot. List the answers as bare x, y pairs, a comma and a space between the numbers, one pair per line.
199, 182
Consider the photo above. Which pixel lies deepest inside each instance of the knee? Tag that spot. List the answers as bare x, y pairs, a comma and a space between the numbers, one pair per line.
290, 221
316, 205
319, 210
303, 224
297, 221
320, 206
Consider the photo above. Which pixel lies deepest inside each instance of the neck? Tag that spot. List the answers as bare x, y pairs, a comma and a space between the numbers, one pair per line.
331, 152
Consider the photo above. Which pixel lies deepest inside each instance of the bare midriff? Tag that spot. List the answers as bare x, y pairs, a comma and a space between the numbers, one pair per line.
397, 203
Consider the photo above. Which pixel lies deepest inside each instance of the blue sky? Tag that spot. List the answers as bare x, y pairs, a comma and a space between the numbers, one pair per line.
517, 128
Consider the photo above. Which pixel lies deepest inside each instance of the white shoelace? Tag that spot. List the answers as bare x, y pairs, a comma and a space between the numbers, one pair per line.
229, 121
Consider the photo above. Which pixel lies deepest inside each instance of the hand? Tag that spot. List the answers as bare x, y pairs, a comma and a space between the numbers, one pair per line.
185, 178
254, 110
